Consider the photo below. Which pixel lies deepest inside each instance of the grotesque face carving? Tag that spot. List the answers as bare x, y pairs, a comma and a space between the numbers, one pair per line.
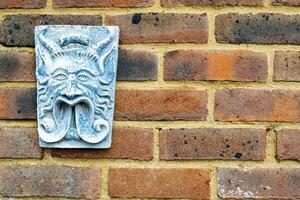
76, 73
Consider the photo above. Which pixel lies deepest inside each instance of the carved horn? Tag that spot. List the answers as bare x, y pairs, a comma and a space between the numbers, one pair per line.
50, 45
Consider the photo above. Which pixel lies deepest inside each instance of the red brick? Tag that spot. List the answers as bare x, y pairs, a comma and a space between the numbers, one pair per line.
101, 3
18, 30
261, 28
161, 27
267, 183
159, 183
50, 181
8, 4
17, 103
127, 143
161, 105
137, 65
15, 67
257, 105
286, 2
172, 3
213, 144
196, 65
19, 142
286, 66
288, 144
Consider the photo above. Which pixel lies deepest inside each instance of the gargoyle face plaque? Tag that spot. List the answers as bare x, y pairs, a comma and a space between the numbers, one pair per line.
76, 77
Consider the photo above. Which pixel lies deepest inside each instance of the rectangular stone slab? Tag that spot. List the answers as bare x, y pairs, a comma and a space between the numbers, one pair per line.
76, 77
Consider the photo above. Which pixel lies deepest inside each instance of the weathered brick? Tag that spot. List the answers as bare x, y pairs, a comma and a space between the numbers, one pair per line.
102, 3
161, 27
259, 183
19, 142
15, 66
286, 2
212, 143
262, 28
8, 4
196, 65
161, 105
257, 105
18, 30
288, 144
132, 143
17, 103
286, 66
136, 65
50, 181
159, 183
172, 3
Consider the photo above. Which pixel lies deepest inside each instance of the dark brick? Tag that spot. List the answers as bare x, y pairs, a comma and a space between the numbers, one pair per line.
15, 66
159, 183
262, 28
136, 65
267, 183
50, 181
19, 142
8, 4
286, 66
18, 30
172, 3
196, 65
288, 144
161, 105
257, 105
101, 3
127, 143
286, 2
161, 27
17, 103
212, 144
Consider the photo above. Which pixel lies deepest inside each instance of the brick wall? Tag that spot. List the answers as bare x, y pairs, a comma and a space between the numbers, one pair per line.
207, 103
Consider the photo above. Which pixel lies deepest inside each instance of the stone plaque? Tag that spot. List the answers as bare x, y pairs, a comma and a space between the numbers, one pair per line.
76, 77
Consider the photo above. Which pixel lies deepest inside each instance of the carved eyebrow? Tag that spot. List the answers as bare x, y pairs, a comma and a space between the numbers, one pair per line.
84, 71
59, 70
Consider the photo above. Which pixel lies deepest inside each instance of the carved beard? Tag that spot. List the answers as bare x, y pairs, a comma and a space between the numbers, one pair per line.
74, 112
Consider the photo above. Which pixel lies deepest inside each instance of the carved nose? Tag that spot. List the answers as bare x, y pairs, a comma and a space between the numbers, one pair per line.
71, 89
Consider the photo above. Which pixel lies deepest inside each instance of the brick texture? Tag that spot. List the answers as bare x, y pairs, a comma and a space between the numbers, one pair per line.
128, 143
257, 105
102, 3
196, 65
286, 2
137, 65
288, 144
9, 4
17, 103
286, 66
50, 181
19, 143
18, 30
161, 105
259, 183
212, 143
171, 3
161, 27
17, 67
159, 183
262, 28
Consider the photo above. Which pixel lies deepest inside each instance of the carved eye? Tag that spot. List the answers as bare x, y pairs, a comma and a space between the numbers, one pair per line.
83, 77
60, 77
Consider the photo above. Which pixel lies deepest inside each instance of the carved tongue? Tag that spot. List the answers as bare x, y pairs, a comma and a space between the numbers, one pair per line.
89, 130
